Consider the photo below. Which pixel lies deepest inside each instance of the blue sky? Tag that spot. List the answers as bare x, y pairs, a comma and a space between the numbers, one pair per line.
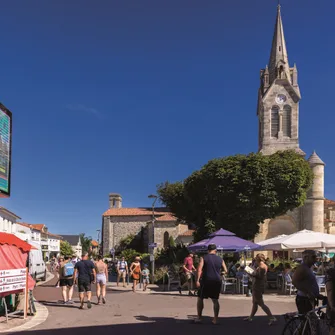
118, 96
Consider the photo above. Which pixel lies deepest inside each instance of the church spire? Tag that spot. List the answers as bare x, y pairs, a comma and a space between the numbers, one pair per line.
278, 64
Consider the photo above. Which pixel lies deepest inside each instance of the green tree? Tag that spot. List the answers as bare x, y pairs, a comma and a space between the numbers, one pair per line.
239, 192
172, 242
85, 243
65, 248
125, 243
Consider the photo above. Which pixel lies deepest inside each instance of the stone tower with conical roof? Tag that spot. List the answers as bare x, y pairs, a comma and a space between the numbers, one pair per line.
313, 210
278, 116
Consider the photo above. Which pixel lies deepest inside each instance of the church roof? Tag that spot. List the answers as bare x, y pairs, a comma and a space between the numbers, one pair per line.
159, 211
329, 203
314, 159
278, 50
188, 233
167, 217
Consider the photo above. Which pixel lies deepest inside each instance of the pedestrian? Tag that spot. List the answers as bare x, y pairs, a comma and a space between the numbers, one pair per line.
145, 276
330, 290
57, 265
86, 276
122, 271
66, 271
209, 281
102, 275
188, 268
135, 271
258, 286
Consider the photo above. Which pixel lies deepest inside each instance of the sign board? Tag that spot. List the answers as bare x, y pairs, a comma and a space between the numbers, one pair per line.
12, 280
12, 287
112, 251
5, 151
12, 273
152, 245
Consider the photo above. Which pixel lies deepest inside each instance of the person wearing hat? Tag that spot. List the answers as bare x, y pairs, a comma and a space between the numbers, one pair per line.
258, 285
209, 281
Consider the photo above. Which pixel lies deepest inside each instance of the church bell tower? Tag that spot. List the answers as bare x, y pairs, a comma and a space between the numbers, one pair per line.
278, 99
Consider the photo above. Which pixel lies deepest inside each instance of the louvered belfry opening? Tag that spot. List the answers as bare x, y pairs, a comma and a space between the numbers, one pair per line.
287, 123
274, 121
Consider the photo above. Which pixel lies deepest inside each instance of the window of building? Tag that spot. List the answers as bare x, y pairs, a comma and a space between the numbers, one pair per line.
287, 116
274, 121
166, 239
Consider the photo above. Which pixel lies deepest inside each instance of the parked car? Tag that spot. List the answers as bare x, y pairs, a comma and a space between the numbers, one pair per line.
37, 267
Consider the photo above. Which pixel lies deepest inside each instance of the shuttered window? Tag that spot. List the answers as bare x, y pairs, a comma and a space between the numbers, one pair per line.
274, 121
287, 117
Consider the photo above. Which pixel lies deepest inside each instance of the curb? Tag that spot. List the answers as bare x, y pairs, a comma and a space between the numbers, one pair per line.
42, 314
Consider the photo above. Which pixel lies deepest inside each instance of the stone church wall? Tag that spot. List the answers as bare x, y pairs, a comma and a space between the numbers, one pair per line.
115, 228
165, 227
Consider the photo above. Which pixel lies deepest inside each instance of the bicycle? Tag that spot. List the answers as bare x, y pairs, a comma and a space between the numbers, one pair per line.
314, 322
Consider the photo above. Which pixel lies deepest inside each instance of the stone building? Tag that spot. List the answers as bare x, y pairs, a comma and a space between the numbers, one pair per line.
278, 118
119, 222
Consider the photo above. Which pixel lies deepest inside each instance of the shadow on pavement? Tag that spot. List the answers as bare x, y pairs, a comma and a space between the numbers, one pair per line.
168, 326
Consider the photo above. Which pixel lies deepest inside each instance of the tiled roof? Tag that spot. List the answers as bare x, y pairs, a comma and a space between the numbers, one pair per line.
72, 239
187, 233
94, 243
38, 227
9, 212
135, 211
167, 217
54, 235
329, 203
32, 226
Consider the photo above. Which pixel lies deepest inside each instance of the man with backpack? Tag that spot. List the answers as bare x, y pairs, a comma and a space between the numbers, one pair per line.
66, 271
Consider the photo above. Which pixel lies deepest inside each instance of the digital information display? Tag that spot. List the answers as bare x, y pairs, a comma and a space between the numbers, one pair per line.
5, 150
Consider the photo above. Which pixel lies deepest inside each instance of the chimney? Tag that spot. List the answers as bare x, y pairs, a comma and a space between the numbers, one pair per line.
115, 200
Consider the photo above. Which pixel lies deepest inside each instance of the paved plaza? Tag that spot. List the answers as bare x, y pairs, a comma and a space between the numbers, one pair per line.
152, 313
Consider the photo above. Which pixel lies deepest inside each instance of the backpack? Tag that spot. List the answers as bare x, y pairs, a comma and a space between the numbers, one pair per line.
68, 270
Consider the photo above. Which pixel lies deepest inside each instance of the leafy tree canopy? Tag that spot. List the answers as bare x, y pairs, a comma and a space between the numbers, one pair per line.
65, 248
239, 192
85, 243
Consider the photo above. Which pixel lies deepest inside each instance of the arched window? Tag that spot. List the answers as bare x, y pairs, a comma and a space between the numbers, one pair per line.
287, 116
274, 121
166, 240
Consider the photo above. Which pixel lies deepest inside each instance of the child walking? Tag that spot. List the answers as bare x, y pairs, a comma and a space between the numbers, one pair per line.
145, 277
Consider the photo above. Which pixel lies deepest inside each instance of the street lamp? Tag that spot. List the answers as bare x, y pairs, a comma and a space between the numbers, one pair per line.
98, 231
152, 248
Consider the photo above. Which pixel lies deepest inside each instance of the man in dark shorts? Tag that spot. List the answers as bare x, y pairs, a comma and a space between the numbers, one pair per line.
86, 275
209, 271
305, 282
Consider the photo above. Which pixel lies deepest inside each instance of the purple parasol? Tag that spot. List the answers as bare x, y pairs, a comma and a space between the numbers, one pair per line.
225, 241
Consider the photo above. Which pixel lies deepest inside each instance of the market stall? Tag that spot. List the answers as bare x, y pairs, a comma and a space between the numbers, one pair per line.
14, 276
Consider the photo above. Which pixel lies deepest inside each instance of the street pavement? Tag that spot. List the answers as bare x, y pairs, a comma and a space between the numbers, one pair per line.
156, 313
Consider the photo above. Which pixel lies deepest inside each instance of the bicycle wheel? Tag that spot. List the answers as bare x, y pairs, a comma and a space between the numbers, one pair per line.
295, 326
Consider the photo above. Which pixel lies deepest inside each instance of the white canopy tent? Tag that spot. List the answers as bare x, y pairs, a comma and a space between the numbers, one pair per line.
304, 239
270, 240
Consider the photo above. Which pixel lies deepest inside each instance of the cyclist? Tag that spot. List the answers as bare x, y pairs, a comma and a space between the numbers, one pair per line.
330, 287
305, 282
